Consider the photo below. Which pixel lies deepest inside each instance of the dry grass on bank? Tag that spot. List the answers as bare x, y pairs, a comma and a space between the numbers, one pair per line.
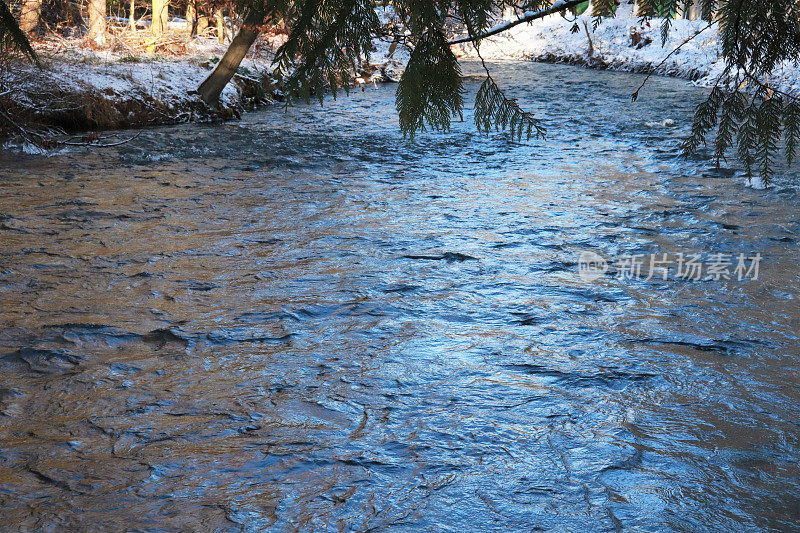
137, 80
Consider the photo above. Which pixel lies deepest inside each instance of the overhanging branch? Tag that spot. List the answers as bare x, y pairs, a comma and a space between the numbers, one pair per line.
528, 16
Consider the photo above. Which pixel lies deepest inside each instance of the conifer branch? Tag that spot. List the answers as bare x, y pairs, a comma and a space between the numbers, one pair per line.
12, 36
493, 109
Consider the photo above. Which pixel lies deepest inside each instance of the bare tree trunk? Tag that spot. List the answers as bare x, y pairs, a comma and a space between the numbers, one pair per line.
160, 16
97, 22
694, 11
591, 44
212, 87
191, 17
220, 26
29, 16
202, 24
132, 10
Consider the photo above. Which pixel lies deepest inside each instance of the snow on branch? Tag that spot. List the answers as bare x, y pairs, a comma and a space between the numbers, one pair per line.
528, 16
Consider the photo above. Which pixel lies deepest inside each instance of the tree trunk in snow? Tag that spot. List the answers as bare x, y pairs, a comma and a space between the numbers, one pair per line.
220, 26
693, 12
160, 16
202, 24
211, 88
132, 17
97, 22
29, 16
191, 17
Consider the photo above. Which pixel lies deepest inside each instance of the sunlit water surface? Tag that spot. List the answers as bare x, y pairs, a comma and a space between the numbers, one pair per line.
304, 321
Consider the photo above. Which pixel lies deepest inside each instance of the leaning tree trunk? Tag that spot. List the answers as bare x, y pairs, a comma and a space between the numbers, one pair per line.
29, 15
160, 16
211, 89
97, 22
132, 10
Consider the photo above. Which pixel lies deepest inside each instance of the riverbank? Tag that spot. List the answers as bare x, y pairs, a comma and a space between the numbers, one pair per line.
80, 89
692, 49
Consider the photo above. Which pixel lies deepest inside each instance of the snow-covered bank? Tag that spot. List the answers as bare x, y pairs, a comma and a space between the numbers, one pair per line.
81, 89
621, 43
129, 86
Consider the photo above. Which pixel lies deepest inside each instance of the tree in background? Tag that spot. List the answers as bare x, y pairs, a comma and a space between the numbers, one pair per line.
692, 12
97, 22
29, 16
220, 25
191, 17
132, 14
11, 36
160, 16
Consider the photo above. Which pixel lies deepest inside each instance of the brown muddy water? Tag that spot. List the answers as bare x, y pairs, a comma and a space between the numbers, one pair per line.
302, 321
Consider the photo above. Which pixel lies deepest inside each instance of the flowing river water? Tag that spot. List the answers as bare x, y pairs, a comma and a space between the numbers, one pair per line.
304, 321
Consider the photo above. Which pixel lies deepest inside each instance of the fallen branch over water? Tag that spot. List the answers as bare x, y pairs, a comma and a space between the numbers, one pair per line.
90, 142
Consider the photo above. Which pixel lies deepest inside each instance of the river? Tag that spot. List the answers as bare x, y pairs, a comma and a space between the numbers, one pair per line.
304, 321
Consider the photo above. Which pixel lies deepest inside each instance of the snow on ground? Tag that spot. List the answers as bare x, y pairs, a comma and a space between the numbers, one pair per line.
556, 38
391, 58
71, 66
620, 43
168, 79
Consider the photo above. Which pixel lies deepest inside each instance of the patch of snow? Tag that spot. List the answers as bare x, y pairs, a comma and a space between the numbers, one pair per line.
32, 149
621, 43
120, 76
755, 182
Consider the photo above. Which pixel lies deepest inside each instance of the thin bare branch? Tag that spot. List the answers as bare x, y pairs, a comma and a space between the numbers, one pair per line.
528, 16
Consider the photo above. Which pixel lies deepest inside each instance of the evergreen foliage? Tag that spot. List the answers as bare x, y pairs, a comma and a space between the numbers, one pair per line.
743, 111
430, 90
494, 110
329, 37
11, 36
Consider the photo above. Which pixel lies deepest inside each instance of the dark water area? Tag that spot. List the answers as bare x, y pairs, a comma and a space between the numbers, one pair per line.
303, 321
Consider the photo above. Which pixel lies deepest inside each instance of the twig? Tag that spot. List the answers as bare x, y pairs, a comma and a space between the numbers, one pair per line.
90, 144
766, 86
528, 16
635, 95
